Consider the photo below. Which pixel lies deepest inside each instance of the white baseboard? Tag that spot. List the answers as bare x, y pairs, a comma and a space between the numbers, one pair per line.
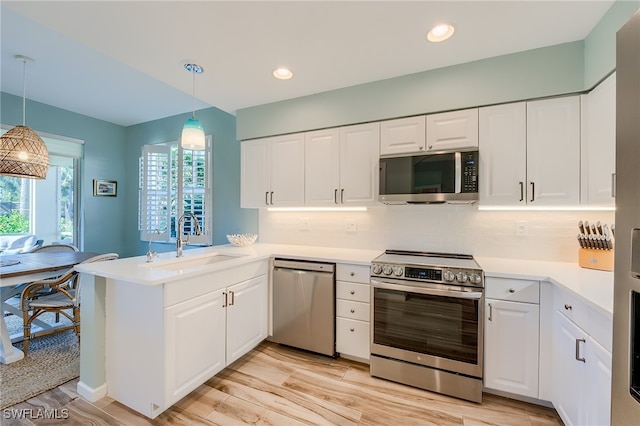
92, 394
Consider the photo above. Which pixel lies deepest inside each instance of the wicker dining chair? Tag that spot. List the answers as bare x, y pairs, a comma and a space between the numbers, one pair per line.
64, 296
54, 248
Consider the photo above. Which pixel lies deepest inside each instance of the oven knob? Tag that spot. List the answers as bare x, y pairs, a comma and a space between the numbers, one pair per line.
377, 269
387, 270
475, 279
398, 271
449, 276
461, 277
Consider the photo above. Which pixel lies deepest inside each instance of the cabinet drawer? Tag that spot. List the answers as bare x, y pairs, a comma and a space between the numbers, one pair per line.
352, 338
571, 307
514, 290
353, 291
600, 327
355, 273
353, 310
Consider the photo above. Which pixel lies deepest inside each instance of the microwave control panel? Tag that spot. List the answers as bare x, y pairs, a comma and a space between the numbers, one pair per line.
470, 171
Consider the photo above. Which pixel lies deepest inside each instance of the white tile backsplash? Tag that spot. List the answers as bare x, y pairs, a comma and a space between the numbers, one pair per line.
551, 235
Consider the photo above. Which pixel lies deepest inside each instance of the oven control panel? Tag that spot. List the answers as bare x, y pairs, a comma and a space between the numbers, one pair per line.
439, 275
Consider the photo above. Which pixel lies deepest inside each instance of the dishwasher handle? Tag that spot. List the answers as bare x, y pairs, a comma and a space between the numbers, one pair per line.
301, 265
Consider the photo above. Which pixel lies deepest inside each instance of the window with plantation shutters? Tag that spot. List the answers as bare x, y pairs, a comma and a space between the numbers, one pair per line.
174, 181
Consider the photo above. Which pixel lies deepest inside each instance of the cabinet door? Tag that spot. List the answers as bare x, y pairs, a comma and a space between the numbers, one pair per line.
503, 154
194, 346
403, 136
553, 151
511, 341
599, 144
322, 168
353, 338
287, 171
254, 173
246, 316
569, 372
452, 130
359, 164
599, 383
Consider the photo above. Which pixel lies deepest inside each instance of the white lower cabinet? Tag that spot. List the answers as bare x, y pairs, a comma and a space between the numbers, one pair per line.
581, 365
511, 336
164, 341
353, 311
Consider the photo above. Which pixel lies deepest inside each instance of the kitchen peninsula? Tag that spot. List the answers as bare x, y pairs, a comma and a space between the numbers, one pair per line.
144, 339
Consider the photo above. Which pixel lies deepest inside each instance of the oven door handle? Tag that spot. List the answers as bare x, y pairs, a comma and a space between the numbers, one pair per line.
473, 295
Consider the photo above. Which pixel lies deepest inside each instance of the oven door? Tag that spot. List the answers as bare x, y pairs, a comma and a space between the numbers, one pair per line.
436, 325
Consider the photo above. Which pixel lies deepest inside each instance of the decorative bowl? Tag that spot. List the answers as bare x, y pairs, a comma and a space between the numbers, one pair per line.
242, 240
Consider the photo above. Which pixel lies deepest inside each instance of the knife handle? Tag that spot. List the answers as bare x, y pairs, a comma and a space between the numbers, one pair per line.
581, 227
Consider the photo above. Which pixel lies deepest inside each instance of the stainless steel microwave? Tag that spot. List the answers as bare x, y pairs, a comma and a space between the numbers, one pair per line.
450, 177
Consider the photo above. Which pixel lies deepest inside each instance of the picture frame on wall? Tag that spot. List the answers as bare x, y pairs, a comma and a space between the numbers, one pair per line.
105, 188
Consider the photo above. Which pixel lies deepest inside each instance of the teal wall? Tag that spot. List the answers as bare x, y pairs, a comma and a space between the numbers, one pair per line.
228, 217
555, 70
102, 218
600, 44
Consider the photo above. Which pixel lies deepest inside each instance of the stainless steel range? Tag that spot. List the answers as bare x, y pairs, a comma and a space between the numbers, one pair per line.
426, 321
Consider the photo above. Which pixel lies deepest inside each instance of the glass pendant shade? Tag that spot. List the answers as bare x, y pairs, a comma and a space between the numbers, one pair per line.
193, 135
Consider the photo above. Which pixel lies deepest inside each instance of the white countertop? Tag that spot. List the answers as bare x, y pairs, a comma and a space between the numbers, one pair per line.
595, 287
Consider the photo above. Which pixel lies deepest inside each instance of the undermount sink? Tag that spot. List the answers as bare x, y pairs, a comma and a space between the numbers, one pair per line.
189, 262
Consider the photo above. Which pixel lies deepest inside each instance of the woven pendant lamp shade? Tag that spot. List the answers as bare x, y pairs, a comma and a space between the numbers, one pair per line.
23, 154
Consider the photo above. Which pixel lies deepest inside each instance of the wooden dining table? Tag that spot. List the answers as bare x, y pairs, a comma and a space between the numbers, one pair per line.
24, 268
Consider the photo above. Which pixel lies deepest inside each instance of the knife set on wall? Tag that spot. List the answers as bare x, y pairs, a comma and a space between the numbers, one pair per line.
596, 246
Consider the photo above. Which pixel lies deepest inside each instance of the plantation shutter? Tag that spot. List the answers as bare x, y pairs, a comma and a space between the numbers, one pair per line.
155, 193
195, 191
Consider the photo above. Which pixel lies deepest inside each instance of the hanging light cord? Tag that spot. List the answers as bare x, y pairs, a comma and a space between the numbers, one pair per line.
24, 90
193, 97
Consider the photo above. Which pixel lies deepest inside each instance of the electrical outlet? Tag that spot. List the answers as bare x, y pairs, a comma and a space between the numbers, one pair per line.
522, 229
350, 225
303, 224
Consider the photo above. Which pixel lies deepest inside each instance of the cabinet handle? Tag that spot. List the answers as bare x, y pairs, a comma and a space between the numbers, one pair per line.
511, 290
568, 307
224, 304
335, 196
352, 292
613, 185
352, 330
266, 198
233, 298
353, 311
353, 274
533, 191
490, 312
578, 358
271, 198
342, 196
521, 191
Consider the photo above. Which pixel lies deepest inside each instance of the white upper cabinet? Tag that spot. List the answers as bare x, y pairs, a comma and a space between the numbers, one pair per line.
599, 144
403, 136
530, 153
322, 167
359, 164
273, 171
452, 130
553, 151
503, 154
341, 166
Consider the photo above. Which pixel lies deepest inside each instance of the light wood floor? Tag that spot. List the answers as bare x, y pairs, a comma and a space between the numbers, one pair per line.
275, 385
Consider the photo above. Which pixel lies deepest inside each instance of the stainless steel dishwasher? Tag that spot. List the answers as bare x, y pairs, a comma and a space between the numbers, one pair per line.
304, 305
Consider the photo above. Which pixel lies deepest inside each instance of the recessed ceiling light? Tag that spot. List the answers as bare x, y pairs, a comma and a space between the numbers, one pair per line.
440, 32
282, 73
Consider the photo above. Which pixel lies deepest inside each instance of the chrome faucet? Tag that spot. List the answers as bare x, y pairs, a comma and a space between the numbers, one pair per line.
150, 253
179, 241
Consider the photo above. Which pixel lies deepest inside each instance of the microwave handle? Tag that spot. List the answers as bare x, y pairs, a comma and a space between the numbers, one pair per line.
458, 173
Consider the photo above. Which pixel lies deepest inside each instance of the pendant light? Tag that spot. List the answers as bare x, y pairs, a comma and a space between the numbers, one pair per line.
192, 131
23, 153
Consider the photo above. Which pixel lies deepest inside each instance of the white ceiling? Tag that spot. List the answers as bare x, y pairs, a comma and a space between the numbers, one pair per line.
121, 61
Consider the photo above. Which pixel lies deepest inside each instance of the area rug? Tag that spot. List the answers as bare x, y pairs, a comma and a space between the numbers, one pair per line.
52, 360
